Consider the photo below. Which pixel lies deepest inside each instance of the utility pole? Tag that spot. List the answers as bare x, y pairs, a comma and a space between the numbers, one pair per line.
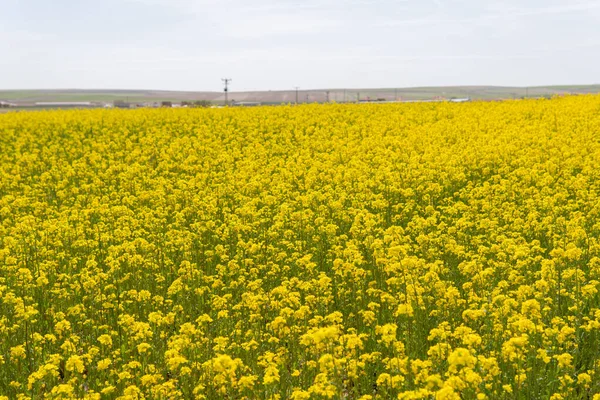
296, 87
327, 96
396, 94
226, 90
358, 97
344, 95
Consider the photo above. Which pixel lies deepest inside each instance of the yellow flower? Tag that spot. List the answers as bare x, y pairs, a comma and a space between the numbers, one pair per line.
447, 393
62, 327
564, 360
584, 378
298, 394
75, 364
105, 340
507, 388
461, 358
247, 381
104, 364
143, 347
271, 375
63, 390
17, 352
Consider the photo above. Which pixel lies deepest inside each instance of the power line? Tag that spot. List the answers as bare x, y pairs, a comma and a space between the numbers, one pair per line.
226, 90
296, 87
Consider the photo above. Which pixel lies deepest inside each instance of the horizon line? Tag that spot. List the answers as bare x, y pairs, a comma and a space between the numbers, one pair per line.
293, 89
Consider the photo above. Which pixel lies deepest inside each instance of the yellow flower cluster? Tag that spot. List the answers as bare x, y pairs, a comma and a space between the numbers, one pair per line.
409, 251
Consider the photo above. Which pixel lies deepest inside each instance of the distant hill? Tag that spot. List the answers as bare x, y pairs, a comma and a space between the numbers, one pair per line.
30, 97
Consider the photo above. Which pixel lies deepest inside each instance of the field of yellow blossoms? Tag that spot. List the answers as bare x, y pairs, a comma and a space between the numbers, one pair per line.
409, 251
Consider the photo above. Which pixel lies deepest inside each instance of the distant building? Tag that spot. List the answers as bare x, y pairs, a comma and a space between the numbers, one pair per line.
246, 103
378, 100
6, 104
121, 104
466, 99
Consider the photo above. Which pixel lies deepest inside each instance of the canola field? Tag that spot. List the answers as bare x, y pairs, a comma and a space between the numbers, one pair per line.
409, 251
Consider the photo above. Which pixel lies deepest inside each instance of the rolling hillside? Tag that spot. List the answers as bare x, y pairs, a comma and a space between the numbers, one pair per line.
30, 97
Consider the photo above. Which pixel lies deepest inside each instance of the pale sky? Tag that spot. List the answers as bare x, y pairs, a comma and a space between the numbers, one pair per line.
267, 44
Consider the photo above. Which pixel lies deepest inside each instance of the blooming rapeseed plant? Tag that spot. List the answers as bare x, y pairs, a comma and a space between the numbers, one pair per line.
409, 251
